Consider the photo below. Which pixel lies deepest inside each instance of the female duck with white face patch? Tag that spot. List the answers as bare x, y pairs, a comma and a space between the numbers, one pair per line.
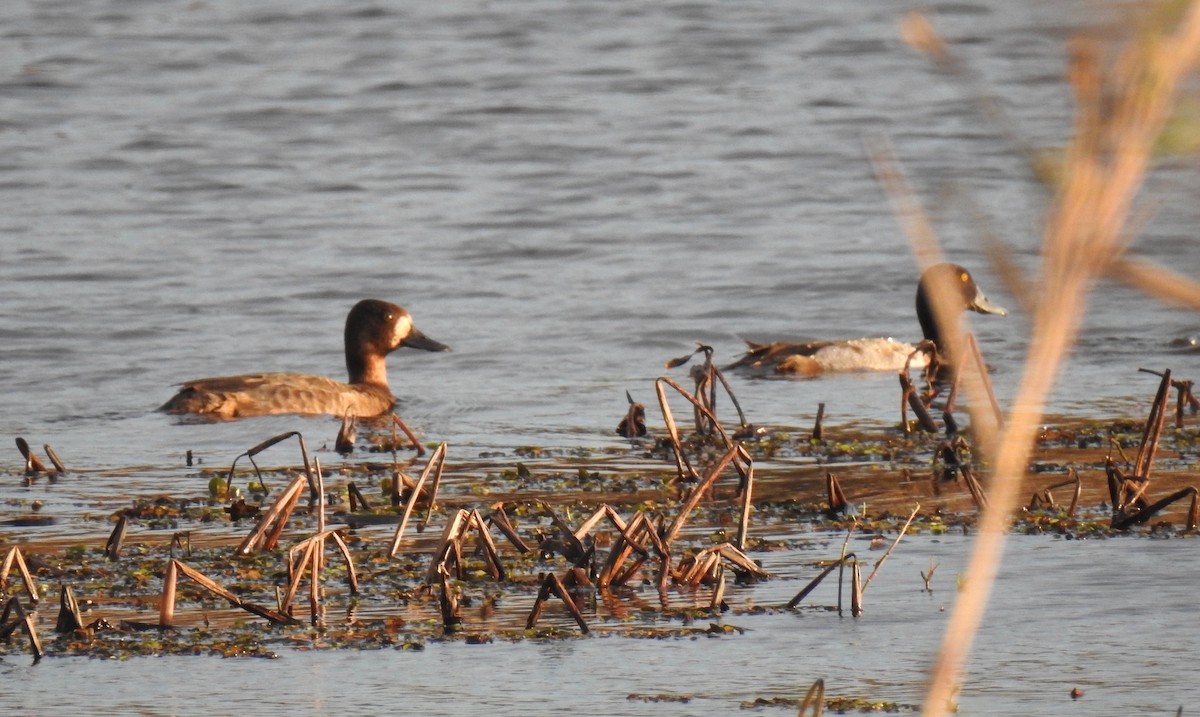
374, 329
875, 354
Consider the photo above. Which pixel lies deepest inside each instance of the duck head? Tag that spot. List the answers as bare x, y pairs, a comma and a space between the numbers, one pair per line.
374, 329
959, 284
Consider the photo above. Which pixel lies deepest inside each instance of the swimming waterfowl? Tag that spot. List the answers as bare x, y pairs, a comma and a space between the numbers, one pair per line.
873, 354
374, 329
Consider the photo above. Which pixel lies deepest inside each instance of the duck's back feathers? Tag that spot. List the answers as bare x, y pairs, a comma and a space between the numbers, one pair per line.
260, 394
817, 357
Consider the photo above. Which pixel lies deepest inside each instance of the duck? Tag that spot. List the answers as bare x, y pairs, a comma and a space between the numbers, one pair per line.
374, 328
874, 354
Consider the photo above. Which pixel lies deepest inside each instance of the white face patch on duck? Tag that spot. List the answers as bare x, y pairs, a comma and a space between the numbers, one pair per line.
402, 329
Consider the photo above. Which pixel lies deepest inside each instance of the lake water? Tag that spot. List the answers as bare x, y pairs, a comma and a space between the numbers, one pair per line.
567, 193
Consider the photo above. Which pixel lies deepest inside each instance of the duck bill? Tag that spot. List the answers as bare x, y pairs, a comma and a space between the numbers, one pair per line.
983, 306
418, 340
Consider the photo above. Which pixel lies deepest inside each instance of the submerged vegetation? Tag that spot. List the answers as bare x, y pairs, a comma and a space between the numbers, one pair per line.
540, 544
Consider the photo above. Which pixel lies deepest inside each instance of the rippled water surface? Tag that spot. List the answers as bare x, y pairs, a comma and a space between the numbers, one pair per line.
567, 193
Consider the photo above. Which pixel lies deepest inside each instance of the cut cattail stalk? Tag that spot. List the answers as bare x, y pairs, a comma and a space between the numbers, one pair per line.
249, 454
499, 519
69, 619
412, 437
358, 501
112, 549
14, 557
974, 487
835, 496
448, 603
572, 548
910, 399
553, 585
1045, 499
747, 504
698, 492
58, 464
344, 443
855, 591
23, 620
818, 432
433, 466
814, 700
895, 542
273, 520
717, 604
166, 604
1148, 512
1154, 426
681, 461
33, 464
167, 608
182, 541
840, 563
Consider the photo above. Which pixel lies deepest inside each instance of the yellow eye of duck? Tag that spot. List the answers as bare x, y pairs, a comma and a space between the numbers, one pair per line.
963, 277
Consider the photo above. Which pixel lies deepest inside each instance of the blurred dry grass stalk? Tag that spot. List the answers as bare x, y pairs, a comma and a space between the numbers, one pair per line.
1125, 93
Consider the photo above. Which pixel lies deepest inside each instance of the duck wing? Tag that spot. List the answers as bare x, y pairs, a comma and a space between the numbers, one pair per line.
762, 355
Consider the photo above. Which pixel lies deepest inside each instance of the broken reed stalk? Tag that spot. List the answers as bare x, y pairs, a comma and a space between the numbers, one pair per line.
1045, 499
977, 493
1120, 522
14, 557
704, 564
1154, 426
23, 620
249, 454
432, 467
499, 519
58, 464
112, 548
733, 455
412, 437
358, 501
746, 507
33, 464
814, 700
895, 542
680, 459
266, 533
836, 498
840, 563
311, 558
909, 398
709, 375
1121, 115
818, 431
553, 585
69, 618
166, 607
452, 541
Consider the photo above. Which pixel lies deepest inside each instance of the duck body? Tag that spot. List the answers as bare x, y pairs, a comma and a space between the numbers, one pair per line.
374, 329
875, 354
818, 357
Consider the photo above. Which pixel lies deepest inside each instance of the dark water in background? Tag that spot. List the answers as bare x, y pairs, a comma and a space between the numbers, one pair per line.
567, 193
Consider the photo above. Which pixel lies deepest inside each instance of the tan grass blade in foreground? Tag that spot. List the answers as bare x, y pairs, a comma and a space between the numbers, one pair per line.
1122, 110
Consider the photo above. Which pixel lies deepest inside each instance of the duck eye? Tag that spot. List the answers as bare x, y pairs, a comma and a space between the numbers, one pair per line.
963, 277
389, 316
